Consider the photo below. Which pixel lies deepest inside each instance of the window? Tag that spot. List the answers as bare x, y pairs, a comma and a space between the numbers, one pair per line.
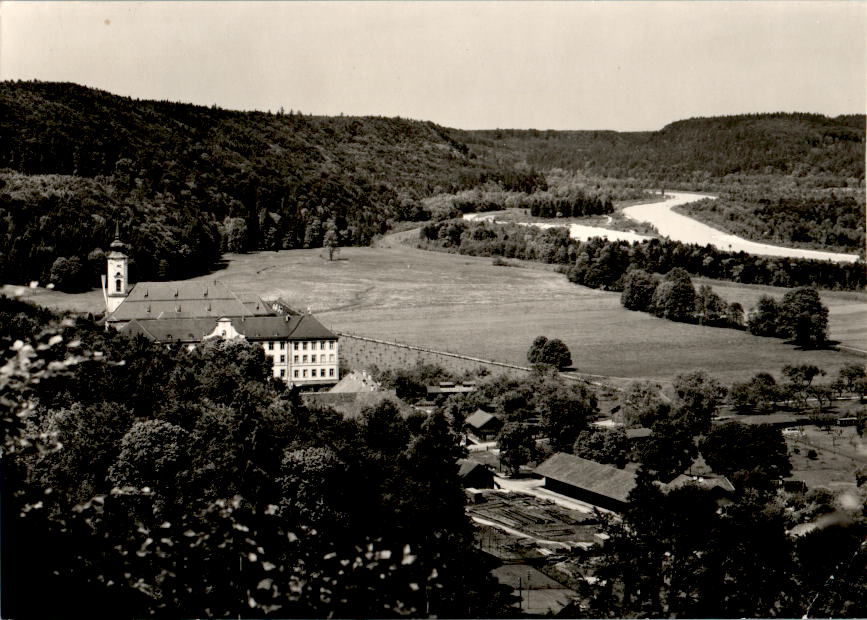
312, 372
304, 346
295, 346
305, 372
331, 357
331, 344
313, 359
304, 359
282, 359
295, 374
321, 346
295, 359
282, 346
330, 372
282, 373
270, 346
118, 286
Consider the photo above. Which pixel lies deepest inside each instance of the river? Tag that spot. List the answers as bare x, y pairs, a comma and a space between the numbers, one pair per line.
682, 228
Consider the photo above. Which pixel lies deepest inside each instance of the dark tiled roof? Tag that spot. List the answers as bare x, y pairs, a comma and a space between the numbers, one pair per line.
253, 328
589, 475
480, 419
467, 467
170, 330
705, 482
308, 328
162, 300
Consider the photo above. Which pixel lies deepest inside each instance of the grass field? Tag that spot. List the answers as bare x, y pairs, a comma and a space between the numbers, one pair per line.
467, 305
840, 454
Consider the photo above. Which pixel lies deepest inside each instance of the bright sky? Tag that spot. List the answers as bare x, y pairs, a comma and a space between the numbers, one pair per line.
558, 65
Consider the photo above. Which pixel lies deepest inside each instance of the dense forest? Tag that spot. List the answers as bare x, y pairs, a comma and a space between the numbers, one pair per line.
818, 219
187, 183
703, 153
144, 481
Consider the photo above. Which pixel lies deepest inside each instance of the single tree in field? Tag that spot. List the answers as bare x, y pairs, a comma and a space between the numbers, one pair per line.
517, 446
330, 240
735, 314
668, 451
565, 409
754, 454
699, 397
800, 379
642, 405
535, 352
850, 374
552, 352
765, 317
638, 289
556, 354
674, 298
710, 307
803, 318
603, 446
759, 394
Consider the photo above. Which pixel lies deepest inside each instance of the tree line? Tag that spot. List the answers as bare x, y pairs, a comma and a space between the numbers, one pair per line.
800, 316
601, 263
821, 151
140, 480
825, 220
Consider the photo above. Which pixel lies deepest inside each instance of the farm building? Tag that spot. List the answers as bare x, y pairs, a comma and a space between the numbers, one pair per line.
595, 483
483, 425
720, 487
637, 434
301, 350
450, 387
475, 475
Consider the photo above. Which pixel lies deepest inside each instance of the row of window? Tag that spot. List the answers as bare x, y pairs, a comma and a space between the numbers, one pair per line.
303, 373
301, 345
302, 359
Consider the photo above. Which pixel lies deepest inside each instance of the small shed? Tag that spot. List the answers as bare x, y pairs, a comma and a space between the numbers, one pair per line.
475, 475
483, 425
639, 433
588, 481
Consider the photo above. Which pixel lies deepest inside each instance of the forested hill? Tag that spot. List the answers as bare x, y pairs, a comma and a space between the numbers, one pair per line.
829, 152
186, 180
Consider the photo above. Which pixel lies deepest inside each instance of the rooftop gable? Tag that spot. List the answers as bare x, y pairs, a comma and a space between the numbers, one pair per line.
191, 299
480, 419
596, 477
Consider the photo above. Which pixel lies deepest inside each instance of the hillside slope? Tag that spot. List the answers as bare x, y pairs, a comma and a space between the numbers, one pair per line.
830, 150
187, 182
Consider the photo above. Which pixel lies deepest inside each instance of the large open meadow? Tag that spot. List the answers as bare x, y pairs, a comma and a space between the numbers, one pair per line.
467, 305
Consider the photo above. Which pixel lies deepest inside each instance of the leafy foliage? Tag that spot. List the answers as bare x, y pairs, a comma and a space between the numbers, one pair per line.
139, 480
753, 455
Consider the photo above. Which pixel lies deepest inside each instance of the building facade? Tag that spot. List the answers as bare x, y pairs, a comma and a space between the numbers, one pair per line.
302, 351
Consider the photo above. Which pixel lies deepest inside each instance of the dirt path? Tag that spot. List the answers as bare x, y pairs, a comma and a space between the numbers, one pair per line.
688, 230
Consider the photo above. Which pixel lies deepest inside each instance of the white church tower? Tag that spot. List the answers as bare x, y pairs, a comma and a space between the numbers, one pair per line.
117, 287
